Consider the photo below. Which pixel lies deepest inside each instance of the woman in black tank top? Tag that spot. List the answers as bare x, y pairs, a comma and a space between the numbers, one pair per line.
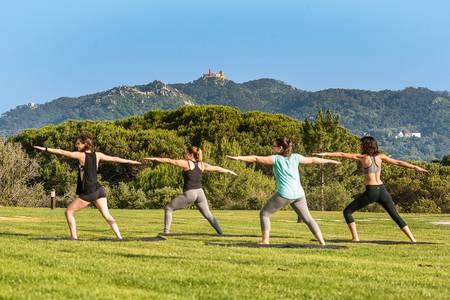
89, 189
193, 168
371, 160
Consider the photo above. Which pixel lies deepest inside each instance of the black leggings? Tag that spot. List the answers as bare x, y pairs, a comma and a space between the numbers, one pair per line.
374, 193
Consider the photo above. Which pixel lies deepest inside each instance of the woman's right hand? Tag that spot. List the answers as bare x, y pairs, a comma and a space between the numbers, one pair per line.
39, 148
420, 169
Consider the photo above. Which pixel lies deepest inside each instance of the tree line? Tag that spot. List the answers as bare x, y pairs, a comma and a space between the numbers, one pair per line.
219, 131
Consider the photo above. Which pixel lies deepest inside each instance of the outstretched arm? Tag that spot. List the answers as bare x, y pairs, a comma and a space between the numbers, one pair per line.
69, 154
340, 154
176, 162
316, 160
401, 163
210, 168
265, 160
116, 159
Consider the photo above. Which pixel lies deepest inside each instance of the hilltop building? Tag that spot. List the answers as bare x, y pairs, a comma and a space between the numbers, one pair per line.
403, 134
219, 75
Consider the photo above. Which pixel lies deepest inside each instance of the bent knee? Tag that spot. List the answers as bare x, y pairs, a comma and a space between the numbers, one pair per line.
347, 212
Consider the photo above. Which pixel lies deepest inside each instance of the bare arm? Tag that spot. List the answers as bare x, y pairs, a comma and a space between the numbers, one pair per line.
265, 160
116, 159
210, 168
355, 156
69, 154
316, 160
176, 162
401, 163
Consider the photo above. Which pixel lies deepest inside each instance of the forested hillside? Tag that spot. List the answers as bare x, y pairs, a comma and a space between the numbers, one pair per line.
383, 114
113, 104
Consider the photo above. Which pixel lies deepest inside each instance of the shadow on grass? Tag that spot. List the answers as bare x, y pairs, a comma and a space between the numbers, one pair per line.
285, 245
220, 235
380, 242
144, 256
139, 239
12, 234
157, 238
50, 238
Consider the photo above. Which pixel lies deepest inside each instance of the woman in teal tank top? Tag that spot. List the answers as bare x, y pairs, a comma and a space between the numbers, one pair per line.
289, 189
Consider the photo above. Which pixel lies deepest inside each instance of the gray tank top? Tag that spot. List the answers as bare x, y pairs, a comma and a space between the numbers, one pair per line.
373, 168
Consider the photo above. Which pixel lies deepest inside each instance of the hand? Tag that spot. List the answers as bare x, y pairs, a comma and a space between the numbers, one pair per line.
232, 173
419, 169
39, 148
232, 157
334, 162
134, 162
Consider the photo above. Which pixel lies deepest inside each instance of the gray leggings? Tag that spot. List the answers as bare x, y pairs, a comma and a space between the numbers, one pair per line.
276, 202
188, 197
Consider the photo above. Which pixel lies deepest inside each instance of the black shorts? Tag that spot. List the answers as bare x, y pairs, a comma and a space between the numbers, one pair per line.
92, 197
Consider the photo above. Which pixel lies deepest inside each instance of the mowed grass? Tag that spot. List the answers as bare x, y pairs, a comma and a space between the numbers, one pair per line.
33, 266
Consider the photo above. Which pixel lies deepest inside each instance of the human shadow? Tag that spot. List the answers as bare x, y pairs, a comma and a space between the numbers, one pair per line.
157, 238
144, 256
12, 234
51, 238
220, 235
283, 245
381, 242
140, 239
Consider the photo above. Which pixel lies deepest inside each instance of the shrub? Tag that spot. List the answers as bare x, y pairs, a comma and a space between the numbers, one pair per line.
17, 174
423, 205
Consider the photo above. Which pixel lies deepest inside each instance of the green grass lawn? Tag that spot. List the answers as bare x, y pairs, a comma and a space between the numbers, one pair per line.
192, 267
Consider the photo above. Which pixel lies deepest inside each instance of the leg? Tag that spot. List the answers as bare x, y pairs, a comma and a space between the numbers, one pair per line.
178, 202
301, 208
73, 207
202, 205
359, 203
102, 206
387, 203
274, 204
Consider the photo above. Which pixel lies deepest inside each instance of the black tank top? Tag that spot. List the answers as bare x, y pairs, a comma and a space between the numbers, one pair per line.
192, 178
89, 183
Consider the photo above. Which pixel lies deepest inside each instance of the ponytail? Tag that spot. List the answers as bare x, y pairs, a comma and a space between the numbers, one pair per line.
286, 146
86, 139
195, 151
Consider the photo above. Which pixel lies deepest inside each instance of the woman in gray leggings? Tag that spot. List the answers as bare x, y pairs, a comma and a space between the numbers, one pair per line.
289, 189
193, 167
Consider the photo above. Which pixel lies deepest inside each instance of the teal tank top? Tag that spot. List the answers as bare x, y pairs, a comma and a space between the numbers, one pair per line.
287, 176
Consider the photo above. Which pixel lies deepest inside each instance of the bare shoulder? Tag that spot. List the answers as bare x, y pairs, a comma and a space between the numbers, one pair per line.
379, 158
365, 160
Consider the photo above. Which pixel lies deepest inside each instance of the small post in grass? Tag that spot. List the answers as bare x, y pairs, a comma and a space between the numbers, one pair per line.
52, 199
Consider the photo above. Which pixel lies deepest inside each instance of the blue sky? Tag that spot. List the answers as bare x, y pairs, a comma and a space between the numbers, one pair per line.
71, 48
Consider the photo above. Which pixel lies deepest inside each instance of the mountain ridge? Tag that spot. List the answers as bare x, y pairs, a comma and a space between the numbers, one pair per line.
383, 113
